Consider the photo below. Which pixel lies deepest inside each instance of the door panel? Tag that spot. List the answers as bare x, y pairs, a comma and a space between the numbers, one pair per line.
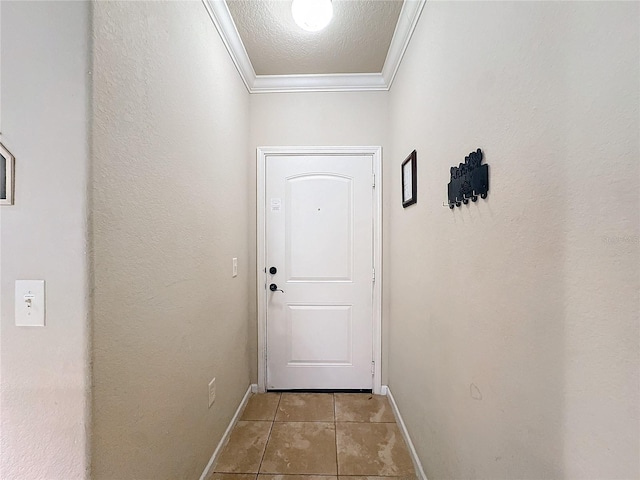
319, 228
319, 236
320, 335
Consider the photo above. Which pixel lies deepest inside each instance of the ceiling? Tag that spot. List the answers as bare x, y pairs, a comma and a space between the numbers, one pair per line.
360, 49
356, 41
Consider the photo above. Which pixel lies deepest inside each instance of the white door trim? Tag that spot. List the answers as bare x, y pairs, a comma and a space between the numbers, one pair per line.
376, 154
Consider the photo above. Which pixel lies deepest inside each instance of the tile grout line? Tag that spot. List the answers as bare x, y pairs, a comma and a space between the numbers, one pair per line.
273, 421
335, 430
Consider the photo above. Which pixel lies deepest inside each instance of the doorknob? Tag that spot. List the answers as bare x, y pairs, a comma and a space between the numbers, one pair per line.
273, 270
274, 288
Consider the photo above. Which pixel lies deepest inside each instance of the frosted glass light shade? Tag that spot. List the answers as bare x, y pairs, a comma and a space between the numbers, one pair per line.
312, 15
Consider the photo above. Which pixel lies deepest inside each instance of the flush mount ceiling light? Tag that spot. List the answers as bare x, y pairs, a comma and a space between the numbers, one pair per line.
312, 15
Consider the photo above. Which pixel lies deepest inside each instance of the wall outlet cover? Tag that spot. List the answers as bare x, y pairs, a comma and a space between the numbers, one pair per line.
212, 392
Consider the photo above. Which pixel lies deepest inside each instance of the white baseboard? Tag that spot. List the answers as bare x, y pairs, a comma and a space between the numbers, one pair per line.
405, 433
227, 432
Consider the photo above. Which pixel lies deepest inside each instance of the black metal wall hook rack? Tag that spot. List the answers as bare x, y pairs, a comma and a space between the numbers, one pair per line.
469, 180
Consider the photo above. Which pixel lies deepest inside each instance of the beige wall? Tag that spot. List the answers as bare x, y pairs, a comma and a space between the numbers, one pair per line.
313, 119
170, 210
514, 321
512, 324
45, 123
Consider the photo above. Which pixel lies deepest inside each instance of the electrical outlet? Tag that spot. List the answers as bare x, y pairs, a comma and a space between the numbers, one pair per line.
212, 392
234, 272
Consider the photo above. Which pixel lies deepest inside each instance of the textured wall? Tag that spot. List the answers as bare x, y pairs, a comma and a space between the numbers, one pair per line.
514, 321
45, 113
170, 210
318, 119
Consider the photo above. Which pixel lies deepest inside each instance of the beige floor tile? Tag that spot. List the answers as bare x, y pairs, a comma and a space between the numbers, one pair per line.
301, 448
246, 446
261, 406
372, 449
305, 407
296, 477
363, 407
351, 477
232, 476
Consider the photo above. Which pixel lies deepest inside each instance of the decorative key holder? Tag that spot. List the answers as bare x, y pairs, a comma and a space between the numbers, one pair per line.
468, 180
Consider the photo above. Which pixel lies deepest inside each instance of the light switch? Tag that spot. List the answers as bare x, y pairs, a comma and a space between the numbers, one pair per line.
30, 303
234, 267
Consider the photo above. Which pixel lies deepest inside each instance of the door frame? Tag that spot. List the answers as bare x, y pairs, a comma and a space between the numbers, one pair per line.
261, 276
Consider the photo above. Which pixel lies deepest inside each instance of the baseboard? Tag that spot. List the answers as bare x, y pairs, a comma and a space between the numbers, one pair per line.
405, 433
227, 432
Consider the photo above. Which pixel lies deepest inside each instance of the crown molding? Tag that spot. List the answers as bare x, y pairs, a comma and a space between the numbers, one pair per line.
409, 16
222, 20
318, 83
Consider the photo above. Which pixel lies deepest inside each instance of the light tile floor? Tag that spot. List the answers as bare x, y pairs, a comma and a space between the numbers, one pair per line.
315, 436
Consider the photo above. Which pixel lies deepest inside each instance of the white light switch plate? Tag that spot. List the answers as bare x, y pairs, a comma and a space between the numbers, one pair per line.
30, 303
234, 268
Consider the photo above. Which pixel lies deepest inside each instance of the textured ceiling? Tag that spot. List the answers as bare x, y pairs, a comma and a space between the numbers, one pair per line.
356, 40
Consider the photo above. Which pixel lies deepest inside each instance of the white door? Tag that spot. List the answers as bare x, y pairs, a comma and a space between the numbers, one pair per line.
319, 240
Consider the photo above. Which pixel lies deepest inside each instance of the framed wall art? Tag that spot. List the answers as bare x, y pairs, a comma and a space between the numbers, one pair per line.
7, 163
409, 180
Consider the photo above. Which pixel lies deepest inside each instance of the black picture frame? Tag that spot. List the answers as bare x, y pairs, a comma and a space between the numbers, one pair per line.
6, 176
410, 180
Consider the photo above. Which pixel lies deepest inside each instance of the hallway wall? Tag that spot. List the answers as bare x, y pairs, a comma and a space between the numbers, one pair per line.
314, 119
514, 320
170, 210
44, 389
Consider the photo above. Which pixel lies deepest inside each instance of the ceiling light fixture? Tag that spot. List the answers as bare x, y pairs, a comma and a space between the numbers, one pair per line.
312, 15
